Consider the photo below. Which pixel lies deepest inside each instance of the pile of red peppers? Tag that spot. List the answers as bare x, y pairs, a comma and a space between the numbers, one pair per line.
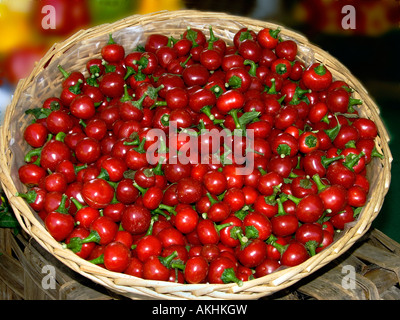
89, 177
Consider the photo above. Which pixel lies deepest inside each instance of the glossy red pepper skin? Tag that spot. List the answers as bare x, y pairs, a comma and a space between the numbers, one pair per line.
317, 77
167, 217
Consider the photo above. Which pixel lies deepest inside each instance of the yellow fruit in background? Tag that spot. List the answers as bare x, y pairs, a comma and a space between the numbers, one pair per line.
148, 6
15, 30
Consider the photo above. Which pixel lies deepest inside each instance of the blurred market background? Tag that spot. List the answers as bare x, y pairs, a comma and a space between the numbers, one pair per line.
370, 48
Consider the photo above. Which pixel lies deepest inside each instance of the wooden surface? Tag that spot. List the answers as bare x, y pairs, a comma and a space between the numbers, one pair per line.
375, 258
23, 271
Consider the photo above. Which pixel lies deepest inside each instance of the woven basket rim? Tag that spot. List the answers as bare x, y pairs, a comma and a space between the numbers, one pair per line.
132, 286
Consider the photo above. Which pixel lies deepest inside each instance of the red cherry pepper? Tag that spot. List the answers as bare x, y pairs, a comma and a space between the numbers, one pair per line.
268, 38
222, 270
317, 77
59, 222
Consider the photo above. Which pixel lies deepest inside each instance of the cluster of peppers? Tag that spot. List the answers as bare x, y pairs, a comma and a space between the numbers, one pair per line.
90, 182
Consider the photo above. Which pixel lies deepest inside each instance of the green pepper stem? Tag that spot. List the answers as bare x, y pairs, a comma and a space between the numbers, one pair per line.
271, 199
77, 204
110, 39
139, 103
177, 265
98, 260
357, 211
228, 275
79, 168
294, 199
272, 238
320, 185
242, 213
211, 39
327, 161
333, 132
64, 73
272, 89
234, 115
76, 88
325, 119
281, 68
62, 207
60, 136
141, 189
30, 196
320, 69
75, 244
169, 209
353, 161
166, 261
134, 142
157, 170
376, 153
353, 102
103, 174
212, 200
274, 32
191, 35
140, 147
263, 172
32, 153
321, 220
351, 144
165, 120
207, 111
281, 248
217, 90
300, 92
153, 219
171, 41
253, 66
234, 82
126, 96
311, 246
219, 227
183, 64
94, 70
251, 232
92, 237
281, 209
129, 71
159, 211
40, 113
280, 100
237, 233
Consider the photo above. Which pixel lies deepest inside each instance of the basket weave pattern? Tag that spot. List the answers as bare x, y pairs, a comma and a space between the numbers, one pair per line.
73, 53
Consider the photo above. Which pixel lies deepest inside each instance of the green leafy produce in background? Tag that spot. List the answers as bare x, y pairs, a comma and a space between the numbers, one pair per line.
103, 11
7, 217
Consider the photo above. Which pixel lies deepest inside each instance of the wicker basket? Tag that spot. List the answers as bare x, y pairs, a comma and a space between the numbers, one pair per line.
25, 273
73, 53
